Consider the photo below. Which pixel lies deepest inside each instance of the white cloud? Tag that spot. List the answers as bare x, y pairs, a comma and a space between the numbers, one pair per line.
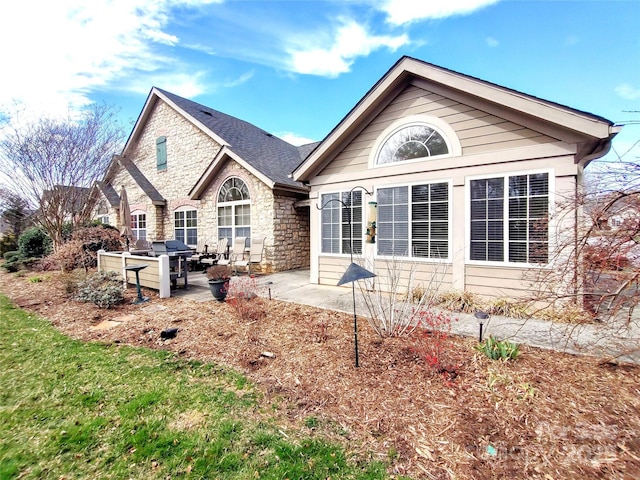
400, 12
294, 139
627, 91
492, 42
351, 40
61, 51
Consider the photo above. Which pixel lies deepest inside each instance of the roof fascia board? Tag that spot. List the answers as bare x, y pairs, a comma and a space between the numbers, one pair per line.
142, 119
369, 106
534, 123
583, 123
407, 69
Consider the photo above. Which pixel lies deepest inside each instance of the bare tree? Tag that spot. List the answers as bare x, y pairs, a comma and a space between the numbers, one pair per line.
15, 212
597, 266
52, 163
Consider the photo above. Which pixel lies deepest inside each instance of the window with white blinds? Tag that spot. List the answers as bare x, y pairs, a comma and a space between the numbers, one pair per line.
413, 221
509, 219
341, 222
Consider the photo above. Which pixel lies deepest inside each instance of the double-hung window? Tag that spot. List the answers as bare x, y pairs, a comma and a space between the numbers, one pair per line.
509, 218
413, 221
341, 222
139, 225
185, 226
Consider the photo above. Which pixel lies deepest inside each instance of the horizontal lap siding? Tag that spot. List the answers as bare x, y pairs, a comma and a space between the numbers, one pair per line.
427, 274
331, 269
478, 131
149, 277
497, 282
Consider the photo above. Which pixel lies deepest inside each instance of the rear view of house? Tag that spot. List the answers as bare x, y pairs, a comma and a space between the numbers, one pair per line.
195, 174
444, 171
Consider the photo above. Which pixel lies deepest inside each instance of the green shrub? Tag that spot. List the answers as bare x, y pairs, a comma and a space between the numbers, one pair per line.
8, 243
10, 256
104, 289
499, 349
34, 243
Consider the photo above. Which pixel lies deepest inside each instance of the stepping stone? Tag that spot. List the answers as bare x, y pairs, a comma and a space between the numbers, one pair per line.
105, 325
153, 308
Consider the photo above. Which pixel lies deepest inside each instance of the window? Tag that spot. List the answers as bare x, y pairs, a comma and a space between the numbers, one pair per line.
161, 153
234, 210
103, 219
509, 219
411, 142
139, 225
185, 226
413, 221
341, 222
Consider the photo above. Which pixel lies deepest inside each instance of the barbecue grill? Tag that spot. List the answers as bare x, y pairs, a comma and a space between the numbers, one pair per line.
178, 253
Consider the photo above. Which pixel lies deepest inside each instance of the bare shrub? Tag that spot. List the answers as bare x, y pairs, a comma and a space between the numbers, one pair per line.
396, 294
243, 296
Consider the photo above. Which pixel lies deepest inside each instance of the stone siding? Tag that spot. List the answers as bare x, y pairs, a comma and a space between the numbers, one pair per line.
189, 153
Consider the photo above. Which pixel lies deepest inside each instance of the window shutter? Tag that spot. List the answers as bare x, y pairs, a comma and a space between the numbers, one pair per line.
161, 153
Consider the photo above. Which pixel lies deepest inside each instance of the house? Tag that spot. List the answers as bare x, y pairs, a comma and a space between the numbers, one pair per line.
448, 173
193, 173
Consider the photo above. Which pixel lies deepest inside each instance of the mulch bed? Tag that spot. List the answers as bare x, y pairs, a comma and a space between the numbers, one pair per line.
546, 415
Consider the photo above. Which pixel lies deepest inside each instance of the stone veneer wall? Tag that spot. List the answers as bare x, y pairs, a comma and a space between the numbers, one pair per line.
189, 152
291, 234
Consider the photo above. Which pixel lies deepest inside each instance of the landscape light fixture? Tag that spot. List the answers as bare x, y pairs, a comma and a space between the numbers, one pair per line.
481, 317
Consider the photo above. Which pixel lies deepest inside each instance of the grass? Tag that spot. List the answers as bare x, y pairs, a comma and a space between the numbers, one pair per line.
85, 410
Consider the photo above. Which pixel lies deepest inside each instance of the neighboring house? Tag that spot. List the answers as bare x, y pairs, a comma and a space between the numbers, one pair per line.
457, 175
194, 173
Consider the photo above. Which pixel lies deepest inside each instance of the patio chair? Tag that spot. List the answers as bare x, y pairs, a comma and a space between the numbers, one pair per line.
237, 252
215, 256
202, 252
255, 255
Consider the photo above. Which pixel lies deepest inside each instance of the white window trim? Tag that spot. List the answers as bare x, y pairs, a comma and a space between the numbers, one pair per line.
439, 125
362, 230
233, 227
467, 225
146, 223
187, 208
449, 258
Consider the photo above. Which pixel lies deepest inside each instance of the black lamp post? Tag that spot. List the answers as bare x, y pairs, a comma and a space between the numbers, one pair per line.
481, 317
354, 271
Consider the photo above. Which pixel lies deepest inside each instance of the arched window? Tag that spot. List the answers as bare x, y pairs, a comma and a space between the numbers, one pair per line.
234, 210
410, 142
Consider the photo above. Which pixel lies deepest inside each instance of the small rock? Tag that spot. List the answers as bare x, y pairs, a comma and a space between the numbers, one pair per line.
169, 333
268, 355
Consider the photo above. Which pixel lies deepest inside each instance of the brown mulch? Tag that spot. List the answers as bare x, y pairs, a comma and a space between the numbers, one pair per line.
546, 415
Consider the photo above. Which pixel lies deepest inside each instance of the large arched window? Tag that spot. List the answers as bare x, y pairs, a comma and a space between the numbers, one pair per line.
411, 142
234, 210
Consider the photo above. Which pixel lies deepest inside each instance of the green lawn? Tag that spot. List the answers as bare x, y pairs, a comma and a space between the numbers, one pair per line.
83, 410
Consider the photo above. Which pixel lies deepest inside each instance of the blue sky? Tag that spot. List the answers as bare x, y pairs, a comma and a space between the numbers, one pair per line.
296, 68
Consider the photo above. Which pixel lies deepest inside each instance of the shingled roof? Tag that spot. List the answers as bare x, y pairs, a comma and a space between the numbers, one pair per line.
271, 156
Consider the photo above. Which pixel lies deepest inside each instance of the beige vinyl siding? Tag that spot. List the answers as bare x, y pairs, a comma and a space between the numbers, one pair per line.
149, 277
477, 130
332, 268
497, 282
